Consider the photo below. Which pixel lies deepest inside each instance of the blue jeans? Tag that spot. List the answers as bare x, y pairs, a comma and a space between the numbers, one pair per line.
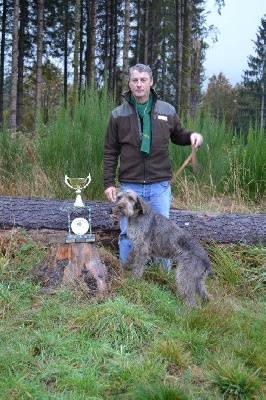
160, 197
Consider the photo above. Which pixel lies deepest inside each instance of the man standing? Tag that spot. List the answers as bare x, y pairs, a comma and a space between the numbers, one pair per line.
137, 141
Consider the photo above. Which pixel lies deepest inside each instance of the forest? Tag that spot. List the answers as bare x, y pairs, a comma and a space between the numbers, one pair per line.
52, 51
63, 67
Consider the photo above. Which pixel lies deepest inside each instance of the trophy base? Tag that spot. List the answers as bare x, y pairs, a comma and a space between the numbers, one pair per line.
80, 238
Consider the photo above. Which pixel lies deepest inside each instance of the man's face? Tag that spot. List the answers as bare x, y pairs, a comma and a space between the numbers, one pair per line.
140, 84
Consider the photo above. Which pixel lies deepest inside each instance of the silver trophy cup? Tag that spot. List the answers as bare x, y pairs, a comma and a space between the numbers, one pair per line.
78, 184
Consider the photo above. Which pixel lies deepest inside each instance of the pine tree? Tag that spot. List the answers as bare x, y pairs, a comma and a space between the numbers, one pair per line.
254, 79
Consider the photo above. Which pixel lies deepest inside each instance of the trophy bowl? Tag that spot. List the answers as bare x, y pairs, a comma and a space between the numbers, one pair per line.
78, 184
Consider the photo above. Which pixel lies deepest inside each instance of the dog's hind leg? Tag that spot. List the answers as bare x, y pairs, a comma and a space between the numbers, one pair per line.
201, 289
186, 286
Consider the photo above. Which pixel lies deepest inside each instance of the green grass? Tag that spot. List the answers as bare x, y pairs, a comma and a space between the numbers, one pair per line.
139, 341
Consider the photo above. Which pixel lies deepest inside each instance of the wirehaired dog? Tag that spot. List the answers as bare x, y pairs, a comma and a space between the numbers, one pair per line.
153, 235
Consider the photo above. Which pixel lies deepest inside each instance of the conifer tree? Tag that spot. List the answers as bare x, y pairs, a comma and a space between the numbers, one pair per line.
254, 79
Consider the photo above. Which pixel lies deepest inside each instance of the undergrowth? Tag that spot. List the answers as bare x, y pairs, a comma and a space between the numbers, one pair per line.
139, 340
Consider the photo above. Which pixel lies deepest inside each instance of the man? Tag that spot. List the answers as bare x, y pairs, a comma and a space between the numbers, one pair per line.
136, 141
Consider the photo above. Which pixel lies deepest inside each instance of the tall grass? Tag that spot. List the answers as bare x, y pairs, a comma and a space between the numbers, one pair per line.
229, 164
20, 170
72, 144
248, 165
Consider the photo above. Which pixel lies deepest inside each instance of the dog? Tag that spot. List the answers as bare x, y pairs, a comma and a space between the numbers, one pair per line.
153, 235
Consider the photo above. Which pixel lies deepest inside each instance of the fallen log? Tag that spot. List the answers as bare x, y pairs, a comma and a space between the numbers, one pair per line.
46, 215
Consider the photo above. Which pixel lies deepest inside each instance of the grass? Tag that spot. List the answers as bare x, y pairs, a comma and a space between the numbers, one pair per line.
139, 341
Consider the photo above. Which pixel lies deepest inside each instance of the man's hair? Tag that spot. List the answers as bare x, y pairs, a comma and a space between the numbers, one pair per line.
141, 68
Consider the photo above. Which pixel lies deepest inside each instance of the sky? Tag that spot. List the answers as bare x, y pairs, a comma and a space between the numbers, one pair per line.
238, 24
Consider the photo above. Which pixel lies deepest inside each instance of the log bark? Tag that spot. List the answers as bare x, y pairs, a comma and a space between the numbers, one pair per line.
49, 216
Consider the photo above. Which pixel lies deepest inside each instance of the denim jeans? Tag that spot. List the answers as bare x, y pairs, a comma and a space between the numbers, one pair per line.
160, 197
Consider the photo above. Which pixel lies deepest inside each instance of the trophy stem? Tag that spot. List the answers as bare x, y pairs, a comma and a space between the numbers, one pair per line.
78, 201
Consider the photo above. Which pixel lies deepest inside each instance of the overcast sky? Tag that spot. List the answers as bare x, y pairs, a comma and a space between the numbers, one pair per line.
238, 24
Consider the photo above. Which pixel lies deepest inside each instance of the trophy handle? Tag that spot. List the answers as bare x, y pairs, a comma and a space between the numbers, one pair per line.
89, 181
66, 181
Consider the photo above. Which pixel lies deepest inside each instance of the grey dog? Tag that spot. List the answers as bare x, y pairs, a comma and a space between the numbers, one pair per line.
153, 235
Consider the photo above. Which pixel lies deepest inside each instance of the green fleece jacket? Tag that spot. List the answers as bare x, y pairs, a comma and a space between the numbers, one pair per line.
123, 141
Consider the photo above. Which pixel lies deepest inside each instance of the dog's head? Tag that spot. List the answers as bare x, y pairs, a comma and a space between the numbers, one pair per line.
128, 203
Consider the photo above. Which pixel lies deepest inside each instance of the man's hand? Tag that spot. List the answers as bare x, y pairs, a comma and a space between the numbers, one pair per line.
111, 193
196, 139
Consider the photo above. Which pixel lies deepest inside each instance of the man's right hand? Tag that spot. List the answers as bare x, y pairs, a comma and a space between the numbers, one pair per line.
111, 193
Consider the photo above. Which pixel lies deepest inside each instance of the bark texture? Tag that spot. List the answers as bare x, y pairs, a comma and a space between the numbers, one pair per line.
48, 215
75, 263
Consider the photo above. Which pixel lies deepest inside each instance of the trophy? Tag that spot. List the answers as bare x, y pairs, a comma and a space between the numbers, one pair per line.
79, 229
78, 184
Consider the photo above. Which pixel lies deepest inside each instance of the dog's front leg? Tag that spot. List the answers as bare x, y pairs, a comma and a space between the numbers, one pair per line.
138, 260
130, 259
138, 269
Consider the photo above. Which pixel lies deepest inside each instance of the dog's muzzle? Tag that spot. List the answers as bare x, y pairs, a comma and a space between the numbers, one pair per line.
118, 210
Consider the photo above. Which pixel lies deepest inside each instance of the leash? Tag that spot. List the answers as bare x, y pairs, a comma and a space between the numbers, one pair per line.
191, 157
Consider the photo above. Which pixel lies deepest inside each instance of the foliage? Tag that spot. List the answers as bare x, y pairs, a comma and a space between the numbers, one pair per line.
139, 341
244, 105
157, 31
254, 79
228, 163
220, 99
247, 166
52, 86
72, 144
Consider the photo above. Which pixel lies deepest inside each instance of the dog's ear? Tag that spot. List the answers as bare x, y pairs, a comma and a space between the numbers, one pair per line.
141, 206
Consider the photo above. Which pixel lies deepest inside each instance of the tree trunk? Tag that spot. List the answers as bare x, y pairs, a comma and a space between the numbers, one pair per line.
76, 263
179, 53
2, 62
195, 86
126, 46
111, 39
146, 32
138, 33
65, 50
76, 47
115, 46
38, 94
49, 216
187, 49
21, 51
14, 73
81, 45
106, 45
91, 43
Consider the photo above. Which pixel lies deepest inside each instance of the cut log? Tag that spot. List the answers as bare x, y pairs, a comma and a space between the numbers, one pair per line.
72, 263
50, 215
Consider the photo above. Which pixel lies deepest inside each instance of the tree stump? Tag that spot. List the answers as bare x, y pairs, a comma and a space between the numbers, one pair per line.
71, 263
